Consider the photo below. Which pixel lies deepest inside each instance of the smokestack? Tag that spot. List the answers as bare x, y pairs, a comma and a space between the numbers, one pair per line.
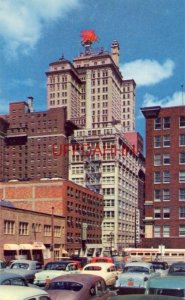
30, 103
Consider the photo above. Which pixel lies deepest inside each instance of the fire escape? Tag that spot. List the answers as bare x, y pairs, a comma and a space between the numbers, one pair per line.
91, 166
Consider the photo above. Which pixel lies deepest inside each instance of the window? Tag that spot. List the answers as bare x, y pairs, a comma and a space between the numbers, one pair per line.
166, 231
157, 231
182, 158
157, 213
157, 141
9, 227
166, 159
182, 140
182, 230
157, 159
182, 176
47, 230
182, 194
23, 228
166, 123
181, 212
166, 177
166, 141
166, 213
182, 121
157, 195
157, 124
157, 177
166, 195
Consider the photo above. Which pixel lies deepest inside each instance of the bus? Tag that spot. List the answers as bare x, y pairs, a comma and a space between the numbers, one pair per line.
150, 254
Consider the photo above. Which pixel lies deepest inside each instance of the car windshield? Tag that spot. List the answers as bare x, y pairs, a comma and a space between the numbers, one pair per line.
136, 269
167, 292
93, 268
20, 266
65, 285
158, 266
56, 266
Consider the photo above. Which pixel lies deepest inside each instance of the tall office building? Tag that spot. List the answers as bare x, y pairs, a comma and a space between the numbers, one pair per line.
102, 104
165, 177
93, 89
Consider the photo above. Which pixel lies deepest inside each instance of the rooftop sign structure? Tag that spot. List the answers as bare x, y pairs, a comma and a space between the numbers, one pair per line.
87, 38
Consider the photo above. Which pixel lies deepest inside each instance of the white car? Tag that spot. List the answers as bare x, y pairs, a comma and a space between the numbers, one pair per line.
134, 278
106, 270
8, 292
55, 269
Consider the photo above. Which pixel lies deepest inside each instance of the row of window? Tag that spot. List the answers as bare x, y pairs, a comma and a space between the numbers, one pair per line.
165, 177
165, 141
165, 213
24, 228
164, 231
165, 123
165, 194
165, 159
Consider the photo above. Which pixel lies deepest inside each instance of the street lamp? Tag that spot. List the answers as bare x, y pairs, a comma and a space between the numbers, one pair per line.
111, 240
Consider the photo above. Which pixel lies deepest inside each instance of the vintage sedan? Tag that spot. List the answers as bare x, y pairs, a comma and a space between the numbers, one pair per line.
168, 285
105, 270
55, 269
26, 268
177, 268
22, 293
134, 278
78, 287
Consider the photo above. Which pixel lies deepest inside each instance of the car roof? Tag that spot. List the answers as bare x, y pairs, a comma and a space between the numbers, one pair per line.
101, 264
139, 264
144, 297
167, 281
24, 261
80, 278
5, 275
9, 292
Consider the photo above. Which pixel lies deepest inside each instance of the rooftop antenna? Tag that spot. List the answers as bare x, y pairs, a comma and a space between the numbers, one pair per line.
182, 87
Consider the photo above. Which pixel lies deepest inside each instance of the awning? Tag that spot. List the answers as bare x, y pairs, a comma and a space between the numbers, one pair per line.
39, 246
11, 247
26, 246
64, 251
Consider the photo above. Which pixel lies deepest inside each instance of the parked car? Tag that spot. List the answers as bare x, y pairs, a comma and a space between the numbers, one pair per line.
55, 269
26, 268
79, 287
22, 293
160, 267
168, 285
134, 278
142, 297
177, 269
105, 270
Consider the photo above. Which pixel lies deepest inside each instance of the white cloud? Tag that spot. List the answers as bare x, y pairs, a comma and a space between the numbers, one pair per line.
22, 21
147, 72
178, 98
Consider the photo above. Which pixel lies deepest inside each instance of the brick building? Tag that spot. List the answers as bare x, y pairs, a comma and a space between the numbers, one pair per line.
30, 234
26, 140
82, 208
165, 177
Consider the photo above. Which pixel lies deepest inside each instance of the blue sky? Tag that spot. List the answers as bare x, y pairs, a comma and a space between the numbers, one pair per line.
151, 34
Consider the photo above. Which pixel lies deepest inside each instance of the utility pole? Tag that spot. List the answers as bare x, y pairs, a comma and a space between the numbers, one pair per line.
52, 233
111, 240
